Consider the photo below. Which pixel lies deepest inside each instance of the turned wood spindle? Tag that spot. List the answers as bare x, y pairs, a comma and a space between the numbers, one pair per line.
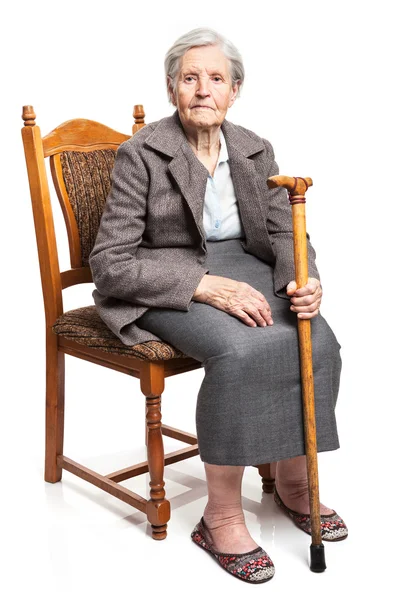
139, 117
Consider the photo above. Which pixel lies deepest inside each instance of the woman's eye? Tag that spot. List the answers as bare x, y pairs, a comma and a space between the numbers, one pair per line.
190, 78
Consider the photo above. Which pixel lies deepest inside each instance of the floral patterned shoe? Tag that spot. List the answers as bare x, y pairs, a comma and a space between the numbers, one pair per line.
254, 566
333, 527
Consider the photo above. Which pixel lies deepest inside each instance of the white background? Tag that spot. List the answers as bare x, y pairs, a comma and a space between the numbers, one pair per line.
321, 86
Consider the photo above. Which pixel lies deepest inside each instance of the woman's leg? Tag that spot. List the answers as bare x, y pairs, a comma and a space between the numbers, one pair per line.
292, 485
223, 514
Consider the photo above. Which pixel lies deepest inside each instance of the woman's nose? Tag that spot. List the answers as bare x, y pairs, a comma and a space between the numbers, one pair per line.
202, 88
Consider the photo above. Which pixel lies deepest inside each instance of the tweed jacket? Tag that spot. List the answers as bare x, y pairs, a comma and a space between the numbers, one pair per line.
151, 245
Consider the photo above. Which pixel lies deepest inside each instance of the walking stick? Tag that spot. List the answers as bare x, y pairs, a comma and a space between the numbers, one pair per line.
297, 186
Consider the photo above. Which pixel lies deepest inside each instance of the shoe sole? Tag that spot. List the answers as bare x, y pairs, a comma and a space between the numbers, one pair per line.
229, 572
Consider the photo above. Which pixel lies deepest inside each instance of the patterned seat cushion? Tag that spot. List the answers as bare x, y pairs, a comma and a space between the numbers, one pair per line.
84, 326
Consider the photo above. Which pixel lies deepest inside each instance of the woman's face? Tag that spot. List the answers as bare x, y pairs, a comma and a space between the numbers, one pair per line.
204, 88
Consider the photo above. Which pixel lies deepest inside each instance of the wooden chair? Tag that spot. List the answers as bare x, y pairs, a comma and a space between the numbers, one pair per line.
82, 154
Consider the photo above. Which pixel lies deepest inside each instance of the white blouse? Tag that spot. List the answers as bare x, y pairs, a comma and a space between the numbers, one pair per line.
221, 219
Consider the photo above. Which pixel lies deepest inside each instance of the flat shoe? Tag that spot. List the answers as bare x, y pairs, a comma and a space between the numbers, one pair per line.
333, 527
254, 566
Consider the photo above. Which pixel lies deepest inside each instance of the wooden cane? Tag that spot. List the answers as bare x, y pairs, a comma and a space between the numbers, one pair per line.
297, 186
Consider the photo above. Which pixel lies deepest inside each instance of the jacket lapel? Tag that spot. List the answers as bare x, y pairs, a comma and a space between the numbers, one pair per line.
191, 175
245, 178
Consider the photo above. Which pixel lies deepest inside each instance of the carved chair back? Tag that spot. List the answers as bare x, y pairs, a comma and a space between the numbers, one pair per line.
81, 154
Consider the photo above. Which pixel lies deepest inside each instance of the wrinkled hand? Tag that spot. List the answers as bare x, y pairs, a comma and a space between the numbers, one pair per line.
236, 298
306, 300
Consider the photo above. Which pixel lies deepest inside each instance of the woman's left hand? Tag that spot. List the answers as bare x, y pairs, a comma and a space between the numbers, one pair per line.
306, 300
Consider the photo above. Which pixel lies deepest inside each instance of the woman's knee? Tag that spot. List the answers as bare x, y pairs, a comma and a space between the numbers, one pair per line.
250, 347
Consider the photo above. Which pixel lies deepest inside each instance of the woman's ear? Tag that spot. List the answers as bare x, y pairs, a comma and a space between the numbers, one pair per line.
171, 92
234, 92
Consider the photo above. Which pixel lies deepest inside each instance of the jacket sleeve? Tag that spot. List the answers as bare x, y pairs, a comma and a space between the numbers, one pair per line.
116, 269
280, 229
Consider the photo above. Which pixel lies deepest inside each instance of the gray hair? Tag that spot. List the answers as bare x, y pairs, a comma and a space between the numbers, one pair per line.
203, 36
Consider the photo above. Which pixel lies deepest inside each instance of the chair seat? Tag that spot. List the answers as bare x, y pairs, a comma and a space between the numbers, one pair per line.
85, 326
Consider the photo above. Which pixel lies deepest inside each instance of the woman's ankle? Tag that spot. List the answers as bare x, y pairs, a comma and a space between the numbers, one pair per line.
291, 481
227, 529
223, 515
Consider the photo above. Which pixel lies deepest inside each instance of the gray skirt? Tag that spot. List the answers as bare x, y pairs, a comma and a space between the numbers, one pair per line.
249, 405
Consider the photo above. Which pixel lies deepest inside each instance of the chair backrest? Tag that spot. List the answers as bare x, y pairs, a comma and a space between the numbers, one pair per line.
81, 155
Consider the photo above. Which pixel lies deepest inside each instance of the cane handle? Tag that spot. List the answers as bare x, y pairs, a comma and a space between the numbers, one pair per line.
296, 186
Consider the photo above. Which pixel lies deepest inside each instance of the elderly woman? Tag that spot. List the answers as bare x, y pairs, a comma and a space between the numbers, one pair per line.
194, 249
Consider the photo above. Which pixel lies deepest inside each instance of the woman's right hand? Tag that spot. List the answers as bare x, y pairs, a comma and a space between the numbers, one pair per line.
236, 298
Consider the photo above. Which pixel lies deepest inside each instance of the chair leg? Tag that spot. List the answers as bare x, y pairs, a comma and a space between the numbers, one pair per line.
55, 397
268, 481
158, 508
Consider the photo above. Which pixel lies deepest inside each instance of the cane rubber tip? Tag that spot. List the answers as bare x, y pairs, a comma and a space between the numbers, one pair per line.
317, 552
